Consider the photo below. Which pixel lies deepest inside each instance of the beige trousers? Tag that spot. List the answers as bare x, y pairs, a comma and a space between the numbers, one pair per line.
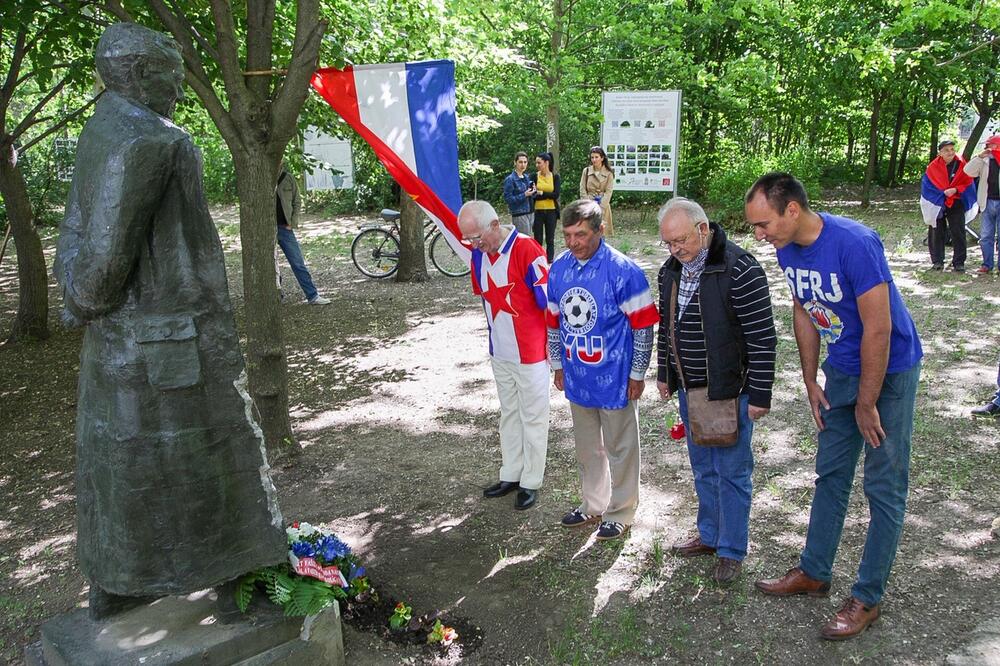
523, 389
607, 451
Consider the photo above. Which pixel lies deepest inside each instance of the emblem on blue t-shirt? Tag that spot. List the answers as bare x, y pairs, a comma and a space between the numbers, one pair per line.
579, 312
825, 320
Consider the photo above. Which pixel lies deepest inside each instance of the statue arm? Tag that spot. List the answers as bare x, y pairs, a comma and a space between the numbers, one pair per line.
123, 208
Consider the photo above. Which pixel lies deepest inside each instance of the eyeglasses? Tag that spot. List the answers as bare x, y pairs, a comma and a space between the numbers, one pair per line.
474, 240
680, 241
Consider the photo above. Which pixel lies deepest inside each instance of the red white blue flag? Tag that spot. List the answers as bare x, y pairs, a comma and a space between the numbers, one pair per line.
406, 113
936, 181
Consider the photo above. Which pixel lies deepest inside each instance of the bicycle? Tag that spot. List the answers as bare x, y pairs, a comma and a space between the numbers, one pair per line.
375, 250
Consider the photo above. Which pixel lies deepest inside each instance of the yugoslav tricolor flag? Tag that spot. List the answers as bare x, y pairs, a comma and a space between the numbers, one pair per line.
406, 113
936, 181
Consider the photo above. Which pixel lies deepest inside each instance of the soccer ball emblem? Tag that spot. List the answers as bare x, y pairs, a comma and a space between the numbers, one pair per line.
579, 310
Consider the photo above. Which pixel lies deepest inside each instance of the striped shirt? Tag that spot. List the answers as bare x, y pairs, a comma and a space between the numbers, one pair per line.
752, 304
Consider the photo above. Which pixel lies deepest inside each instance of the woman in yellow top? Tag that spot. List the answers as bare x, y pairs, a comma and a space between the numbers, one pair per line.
598, 182
546, 202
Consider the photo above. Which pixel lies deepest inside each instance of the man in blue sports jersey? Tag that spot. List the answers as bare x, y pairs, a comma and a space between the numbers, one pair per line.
600, 329
844, 293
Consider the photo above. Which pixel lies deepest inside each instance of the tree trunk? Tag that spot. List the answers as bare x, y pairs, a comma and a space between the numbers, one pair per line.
267, 365
850, 143
936, 96
552, 133
866, 188
906, 143
974, 136
897, 131
412, 263
32, 319
552, 80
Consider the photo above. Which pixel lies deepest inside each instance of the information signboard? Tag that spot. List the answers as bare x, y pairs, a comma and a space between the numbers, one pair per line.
336, 171
640, 133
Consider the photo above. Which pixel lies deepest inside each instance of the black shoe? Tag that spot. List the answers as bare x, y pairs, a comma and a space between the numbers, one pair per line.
937, 267
958, 269
525, 499
500, 489
989, 410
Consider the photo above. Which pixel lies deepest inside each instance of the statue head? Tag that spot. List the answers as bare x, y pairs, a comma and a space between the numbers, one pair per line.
143, 65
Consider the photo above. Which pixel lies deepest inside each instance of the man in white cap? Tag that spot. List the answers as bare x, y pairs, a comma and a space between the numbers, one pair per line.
986, 167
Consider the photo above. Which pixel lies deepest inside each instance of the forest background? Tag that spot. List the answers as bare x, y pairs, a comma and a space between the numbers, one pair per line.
841, 93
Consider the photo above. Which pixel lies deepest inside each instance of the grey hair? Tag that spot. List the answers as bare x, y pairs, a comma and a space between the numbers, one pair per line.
583, 210
691, 209
482, 212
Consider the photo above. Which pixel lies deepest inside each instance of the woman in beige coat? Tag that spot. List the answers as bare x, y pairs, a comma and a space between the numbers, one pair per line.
597, 182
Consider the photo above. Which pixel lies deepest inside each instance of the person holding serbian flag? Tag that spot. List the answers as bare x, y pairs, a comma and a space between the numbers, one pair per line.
947, 203
600, 321
986, 167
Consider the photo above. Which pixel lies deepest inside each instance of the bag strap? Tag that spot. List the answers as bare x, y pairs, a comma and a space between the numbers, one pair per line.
673, 336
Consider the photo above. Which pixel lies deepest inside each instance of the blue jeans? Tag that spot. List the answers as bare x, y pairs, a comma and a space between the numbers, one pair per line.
988, 231
722, 479
886, 480
290, 246
996, 396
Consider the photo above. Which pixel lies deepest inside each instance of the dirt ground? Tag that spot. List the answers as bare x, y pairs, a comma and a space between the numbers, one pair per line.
394, 405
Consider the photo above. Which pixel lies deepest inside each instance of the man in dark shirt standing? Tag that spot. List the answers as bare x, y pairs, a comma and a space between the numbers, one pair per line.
723, 314
287, 212
986, 167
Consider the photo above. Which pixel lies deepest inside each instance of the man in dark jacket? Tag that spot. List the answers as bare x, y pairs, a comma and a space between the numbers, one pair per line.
173, 489
725, 338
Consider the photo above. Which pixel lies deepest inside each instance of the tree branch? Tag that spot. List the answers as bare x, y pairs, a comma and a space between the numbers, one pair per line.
229, 58
62, 123
196, 76
960, 56
193, 31
291, 94
17, 57
28, 119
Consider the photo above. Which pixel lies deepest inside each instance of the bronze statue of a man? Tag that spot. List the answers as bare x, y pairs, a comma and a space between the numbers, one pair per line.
173, 488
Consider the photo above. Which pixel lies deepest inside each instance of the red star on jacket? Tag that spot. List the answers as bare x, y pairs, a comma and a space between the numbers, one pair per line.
498, 297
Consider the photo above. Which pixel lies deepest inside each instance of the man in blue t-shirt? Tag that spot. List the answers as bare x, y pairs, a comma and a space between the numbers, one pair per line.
844, 293
600, 338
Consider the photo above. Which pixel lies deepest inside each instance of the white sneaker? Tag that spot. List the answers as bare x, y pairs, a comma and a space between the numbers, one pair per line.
319, 300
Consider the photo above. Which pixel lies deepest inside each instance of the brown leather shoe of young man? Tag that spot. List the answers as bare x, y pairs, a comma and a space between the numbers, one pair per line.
849, 621
792, 583
691, 548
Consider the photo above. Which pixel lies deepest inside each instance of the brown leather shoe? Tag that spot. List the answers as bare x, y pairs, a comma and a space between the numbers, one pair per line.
691, 548
727, 570
850, 621
792, 583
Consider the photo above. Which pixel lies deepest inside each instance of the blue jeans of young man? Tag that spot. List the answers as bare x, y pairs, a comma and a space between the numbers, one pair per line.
988, 231
290, 246
996, 396
722, 479
886, 480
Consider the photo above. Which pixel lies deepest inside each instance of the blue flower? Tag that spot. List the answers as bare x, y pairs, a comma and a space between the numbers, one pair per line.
303, 549
357, 572
331, 548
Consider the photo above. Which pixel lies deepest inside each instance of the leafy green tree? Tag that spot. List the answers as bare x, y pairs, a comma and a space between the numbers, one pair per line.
43, 50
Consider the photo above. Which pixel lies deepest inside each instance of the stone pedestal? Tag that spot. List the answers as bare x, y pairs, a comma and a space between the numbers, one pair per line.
186, 630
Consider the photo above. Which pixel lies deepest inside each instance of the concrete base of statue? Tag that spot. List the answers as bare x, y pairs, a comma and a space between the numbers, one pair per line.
188, 630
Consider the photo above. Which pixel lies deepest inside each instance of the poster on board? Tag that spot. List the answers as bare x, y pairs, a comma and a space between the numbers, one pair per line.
640, 133
336, 163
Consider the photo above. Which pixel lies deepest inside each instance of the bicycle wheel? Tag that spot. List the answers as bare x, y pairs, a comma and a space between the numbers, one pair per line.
445, 259
375, 252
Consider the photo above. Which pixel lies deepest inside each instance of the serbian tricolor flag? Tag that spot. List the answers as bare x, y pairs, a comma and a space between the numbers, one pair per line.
936, 181
406, 113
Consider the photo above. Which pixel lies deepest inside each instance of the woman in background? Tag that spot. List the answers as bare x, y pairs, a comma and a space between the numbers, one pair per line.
598, 182
546, 202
